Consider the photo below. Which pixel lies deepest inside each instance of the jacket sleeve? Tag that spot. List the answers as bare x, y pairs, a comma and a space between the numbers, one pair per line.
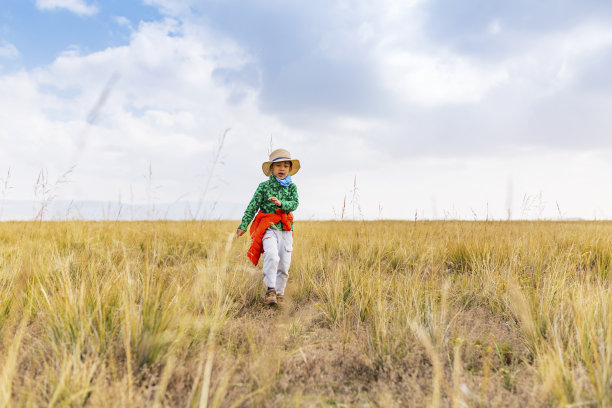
291, 204
251, 209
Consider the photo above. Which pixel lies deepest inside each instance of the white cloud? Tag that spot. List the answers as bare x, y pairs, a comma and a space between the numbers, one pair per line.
8, 50
431, 80
437, 77
79, 7
169, 105
561, 56
172, 7
494, 27
543, 184
123, 21
164, 109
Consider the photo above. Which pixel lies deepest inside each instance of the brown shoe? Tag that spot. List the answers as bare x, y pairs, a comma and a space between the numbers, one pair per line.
280, 297
270, 297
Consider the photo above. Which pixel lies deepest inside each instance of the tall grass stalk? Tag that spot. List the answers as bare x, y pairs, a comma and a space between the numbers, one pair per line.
9, 365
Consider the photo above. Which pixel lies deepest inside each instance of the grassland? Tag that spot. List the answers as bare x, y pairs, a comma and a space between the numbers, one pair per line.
378, 314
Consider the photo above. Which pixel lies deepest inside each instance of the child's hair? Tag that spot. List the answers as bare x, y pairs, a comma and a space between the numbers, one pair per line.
284, 161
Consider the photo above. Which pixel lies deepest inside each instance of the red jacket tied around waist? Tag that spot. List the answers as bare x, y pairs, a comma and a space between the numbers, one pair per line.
260, 224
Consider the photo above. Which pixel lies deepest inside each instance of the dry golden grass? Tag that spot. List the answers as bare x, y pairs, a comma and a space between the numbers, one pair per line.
378, 314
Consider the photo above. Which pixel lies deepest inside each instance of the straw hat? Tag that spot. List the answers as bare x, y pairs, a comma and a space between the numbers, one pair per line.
280, 155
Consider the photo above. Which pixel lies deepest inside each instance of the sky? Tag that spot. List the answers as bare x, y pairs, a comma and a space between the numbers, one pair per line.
396, 109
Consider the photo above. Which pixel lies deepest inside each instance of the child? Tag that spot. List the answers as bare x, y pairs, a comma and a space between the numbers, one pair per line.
272, 229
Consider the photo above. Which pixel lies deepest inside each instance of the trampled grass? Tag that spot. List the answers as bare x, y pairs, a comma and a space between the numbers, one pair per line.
382, 313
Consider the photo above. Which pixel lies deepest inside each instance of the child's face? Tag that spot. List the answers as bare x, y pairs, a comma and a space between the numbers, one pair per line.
281, 169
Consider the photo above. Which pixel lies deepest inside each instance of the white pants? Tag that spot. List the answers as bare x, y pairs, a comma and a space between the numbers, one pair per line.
277, 246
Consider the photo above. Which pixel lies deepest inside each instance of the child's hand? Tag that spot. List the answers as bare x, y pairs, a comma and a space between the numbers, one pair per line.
239, 233
275, 201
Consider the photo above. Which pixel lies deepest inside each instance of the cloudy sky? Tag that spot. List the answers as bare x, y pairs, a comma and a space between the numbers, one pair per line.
430, 108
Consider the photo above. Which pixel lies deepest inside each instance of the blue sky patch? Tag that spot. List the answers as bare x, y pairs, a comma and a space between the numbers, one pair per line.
41, 35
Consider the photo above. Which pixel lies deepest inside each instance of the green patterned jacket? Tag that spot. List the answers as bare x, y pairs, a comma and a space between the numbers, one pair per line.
288, 196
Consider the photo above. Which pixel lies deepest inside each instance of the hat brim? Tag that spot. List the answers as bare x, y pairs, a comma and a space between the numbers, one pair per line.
295, 167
